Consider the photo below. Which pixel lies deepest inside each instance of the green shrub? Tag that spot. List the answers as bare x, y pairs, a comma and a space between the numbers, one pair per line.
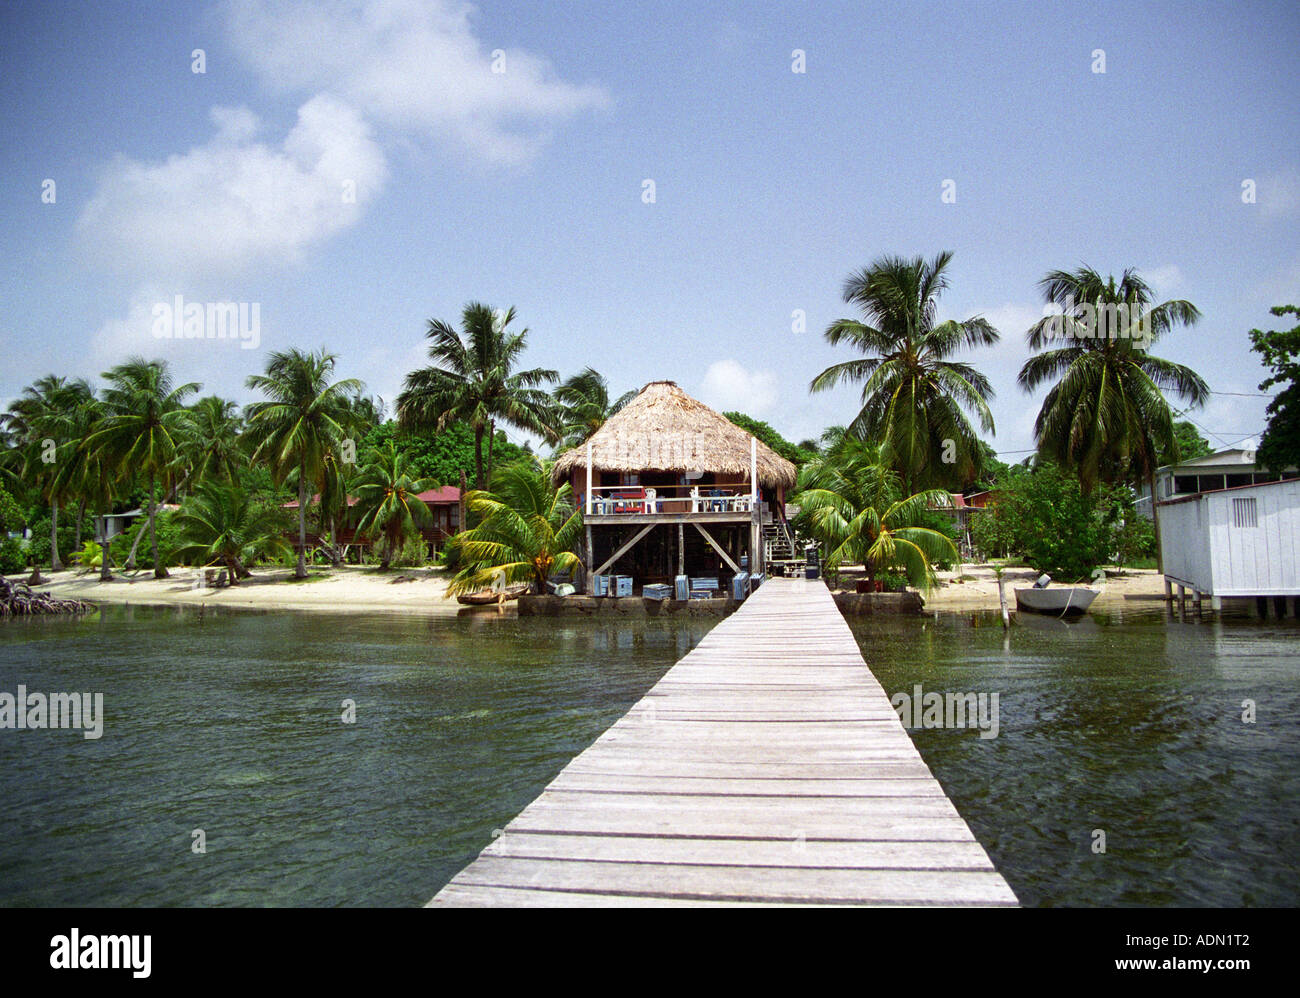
993, 532
412, 552
1134, 539
894, 582
450, 555
89, 556
169, 540
1044, 517
11, 514
39, 546
13, 558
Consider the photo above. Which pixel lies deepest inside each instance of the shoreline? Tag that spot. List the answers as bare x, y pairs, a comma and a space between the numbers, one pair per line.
358, 589
351, 589
979, 588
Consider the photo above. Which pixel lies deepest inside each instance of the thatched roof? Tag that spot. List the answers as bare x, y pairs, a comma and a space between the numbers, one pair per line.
664, 429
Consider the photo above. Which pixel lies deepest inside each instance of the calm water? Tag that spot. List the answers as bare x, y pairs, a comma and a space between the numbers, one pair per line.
1133, 726
233, 725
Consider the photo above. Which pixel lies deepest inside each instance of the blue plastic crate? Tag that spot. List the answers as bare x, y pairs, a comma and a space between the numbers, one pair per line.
659, 590
740, 586
622, 585
682, 588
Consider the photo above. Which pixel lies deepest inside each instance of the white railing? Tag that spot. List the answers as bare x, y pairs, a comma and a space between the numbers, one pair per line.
608, 500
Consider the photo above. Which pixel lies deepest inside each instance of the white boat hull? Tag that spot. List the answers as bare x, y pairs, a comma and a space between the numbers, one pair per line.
1057, 599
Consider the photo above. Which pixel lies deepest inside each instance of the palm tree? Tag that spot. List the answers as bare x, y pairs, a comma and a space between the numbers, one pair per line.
222, 524
91, 475
144, 428
854, 507
914, 399
333, 503
214, 450
584, 405
46, 427
304, 420
528, 530
388, 500
473, 379
1106, 417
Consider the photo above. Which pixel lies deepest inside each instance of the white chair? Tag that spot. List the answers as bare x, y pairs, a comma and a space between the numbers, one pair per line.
695, 498
649, 505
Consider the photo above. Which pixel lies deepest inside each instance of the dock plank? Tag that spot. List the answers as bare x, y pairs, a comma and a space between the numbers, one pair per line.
767, 767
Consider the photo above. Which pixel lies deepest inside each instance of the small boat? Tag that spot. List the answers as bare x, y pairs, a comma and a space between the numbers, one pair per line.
1060, 600
490, 597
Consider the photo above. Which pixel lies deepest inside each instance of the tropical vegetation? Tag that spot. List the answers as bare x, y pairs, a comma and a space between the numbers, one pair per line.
915, 397
1279, 448
388, 501
527, 531
855, 506
473, 379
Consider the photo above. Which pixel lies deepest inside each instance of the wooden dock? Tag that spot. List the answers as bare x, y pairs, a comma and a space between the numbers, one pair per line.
766, 767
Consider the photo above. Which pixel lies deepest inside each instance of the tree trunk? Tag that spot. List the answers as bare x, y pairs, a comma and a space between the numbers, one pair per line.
130, 558
301, 571
56, 563
105, 569
81, 514
159, 569
478, 457
236, 570
336, 557
460, 504
492, 434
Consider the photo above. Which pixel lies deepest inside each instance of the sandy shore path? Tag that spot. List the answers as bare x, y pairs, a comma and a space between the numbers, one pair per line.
337, 590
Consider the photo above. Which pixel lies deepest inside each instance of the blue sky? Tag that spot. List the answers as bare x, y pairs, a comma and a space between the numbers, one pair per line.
524, 187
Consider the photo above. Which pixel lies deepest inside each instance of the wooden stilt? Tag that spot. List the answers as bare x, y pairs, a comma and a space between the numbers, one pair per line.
591, 560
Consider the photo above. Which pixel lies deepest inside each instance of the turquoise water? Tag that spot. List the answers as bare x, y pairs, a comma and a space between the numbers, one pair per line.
1130, 725
232, 724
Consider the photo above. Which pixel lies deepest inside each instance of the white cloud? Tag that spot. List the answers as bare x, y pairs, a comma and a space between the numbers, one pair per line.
414, 64
1163, 279
729, 386
233, 202
1012, 320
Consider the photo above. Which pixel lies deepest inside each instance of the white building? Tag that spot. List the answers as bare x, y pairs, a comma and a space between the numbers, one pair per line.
1225, 469
1232, 541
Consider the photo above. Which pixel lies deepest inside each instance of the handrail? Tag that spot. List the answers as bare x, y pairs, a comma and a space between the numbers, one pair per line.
725, 489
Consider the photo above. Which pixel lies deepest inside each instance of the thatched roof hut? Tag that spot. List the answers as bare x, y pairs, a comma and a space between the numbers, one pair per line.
664, 429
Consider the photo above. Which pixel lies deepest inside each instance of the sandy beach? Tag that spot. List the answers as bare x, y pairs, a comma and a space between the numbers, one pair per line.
978, 588
338, 590
423, 590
